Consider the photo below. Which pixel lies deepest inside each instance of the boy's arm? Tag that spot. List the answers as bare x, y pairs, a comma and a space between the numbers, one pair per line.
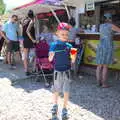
52, 52
51, 56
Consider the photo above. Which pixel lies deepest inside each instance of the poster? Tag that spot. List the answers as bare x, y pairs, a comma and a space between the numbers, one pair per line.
90, 53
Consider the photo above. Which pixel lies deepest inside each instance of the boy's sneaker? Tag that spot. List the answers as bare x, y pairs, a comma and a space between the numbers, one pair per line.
64, 114
54, 112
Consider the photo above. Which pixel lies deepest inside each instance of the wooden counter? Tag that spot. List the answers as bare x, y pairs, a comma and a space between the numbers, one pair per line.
91, 41
116, 37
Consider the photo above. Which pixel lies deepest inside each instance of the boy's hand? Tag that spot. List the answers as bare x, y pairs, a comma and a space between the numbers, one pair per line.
51, 56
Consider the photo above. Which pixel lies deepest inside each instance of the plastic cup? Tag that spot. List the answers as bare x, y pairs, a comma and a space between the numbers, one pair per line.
73, 53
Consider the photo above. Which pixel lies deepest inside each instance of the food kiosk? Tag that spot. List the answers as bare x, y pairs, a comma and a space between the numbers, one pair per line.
91, 37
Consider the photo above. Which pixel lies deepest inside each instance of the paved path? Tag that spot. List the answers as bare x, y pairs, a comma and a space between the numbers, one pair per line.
29, 100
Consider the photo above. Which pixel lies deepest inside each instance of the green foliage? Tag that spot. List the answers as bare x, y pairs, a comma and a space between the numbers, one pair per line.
2, 7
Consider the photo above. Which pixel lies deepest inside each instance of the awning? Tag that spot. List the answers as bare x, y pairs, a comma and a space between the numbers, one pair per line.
37, 8
29, 4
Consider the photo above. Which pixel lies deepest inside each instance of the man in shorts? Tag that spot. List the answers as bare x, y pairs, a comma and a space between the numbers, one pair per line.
10, 34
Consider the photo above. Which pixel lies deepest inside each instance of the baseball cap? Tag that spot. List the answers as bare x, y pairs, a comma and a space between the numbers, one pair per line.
63, 26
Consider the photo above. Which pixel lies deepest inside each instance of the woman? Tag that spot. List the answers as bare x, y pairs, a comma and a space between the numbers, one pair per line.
29, 38
105, 49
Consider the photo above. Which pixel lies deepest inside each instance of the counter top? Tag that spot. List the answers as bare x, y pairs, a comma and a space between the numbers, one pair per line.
96, 36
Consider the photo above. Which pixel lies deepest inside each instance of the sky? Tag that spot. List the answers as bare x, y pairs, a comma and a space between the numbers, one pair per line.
15, 3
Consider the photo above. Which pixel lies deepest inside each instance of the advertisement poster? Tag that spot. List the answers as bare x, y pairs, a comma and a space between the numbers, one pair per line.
90, 53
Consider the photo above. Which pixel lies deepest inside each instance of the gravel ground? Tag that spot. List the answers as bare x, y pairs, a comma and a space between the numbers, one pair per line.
29, 100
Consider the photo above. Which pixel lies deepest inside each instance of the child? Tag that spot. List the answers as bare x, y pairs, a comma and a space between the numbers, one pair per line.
60, 52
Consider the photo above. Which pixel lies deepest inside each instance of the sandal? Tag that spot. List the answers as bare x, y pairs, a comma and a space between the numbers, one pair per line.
64, 114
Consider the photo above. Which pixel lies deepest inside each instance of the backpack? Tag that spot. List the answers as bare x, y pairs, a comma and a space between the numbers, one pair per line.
62, 57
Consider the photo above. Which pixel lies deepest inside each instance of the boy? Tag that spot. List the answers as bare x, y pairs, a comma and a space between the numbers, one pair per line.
60, 52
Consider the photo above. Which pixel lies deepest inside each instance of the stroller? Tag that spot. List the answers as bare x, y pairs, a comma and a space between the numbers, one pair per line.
43, 68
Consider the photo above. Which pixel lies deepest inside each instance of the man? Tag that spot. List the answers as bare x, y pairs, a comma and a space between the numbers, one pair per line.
10, 34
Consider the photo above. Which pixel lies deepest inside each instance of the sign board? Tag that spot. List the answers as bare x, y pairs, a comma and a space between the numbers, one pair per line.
90, 5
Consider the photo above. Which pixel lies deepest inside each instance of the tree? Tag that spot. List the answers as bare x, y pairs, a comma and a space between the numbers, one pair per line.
2, 7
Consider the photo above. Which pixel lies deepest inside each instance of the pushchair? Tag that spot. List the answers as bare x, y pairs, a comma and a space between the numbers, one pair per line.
43, 68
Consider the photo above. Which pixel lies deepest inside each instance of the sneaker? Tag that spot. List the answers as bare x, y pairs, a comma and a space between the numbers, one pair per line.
12, 67
27, 73
54, 112
64, 114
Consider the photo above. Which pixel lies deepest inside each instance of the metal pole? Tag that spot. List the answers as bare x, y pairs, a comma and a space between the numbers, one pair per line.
54, 14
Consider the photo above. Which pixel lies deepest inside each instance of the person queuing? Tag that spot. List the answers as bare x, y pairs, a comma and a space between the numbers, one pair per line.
105, 49
10, 34
29, 38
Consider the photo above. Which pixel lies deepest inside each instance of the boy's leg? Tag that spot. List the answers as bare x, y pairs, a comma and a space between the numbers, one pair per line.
66, 89
64, 110
55, 89
66, 98
55, 98
55, 106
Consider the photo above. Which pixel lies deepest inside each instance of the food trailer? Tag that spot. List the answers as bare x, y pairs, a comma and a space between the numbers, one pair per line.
93, 17
91, 38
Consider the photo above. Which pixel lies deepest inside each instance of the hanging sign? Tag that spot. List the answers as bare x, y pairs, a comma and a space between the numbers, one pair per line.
90, 5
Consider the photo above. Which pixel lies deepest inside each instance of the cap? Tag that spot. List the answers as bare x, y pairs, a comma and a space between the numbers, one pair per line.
63, 26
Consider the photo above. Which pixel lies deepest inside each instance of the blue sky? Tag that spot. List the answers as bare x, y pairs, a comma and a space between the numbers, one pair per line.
15, 3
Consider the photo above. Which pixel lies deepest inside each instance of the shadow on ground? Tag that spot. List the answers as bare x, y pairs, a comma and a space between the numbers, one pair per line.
102, 102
